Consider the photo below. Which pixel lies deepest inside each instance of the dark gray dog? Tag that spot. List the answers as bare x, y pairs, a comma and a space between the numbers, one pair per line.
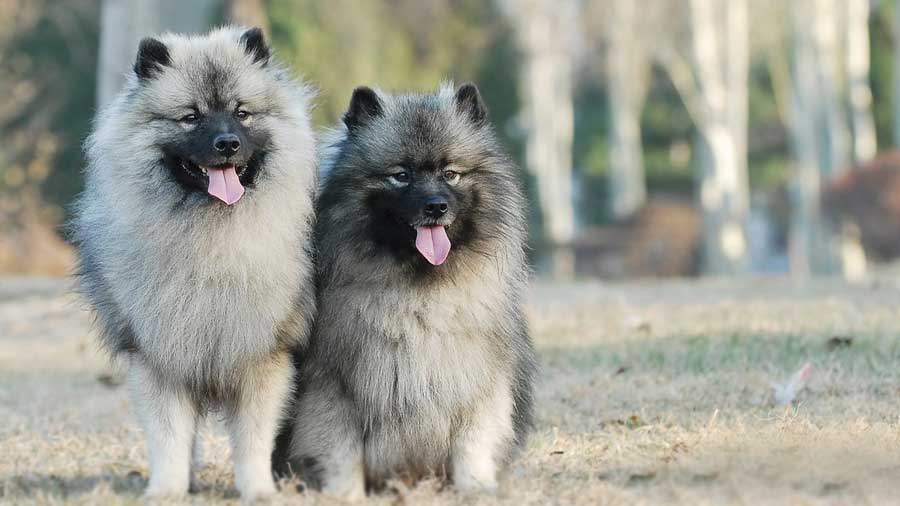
420, 361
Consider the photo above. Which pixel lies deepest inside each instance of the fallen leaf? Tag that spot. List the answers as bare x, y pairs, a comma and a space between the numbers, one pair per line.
634, 422
786, 392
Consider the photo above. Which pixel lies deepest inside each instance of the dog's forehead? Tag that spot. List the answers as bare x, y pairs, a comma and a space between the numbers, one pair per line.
419, 131
212, 75
412, 149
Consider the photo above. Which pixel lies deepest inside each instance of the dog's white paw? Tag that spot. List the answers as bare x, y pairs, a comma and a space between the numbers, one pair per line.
260, 490
351, 491
467, 483
161, 488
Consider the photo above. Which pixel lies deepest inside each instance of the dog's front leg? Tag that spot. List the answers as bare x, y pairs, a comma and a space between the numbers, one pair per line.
481, 445
253, 420
169, 419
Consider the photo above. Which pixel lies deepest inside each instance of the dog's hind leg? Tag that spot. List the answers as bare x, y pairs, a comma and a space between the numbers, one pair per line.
169, 418
480, 446
253, 420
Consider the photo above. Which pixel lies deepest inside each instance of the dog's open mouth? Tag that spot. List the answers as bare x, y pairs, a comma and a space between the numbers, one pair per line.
222, 181
225, 182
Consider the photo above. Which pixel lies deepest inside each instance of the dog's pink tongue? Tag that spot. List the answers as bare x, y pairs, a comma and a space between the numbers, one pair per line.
433, 244
225, 185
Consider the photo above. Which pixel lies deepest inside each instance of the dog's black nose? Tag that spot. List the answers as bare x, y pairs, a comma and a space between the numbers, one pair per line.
227, 144
435, 207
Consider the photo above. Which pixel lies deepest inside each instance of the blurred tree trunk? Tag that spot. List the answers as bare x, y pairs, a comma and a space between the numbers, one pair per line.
825, 18
546, 31
627, 75
864, 139
722, 81
123, 23
249, 13
806, 231
713, 86
896, 74
819, 133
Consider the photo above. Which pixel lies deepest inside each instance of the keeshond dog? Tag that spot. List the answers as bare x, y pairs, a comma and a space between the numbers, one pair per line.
420, 362
194, 240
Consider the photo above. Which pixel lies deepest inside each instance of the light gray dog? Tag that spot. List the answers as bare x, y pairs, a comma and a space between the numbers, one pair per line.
193, 234
420, 361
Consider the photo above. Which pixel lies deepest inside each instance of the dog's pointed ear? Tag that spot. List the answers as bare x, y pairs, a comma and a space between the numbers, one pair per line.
469, 102
364, 105
152, 56
255, 45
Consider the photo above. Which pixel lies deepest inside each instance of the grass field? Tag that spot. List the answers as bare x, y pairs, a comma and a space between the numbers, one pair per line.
651, 393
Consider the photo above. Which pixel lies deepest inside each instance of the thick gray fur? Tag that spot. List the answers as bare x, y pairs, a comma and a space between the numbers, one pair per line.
415, 369
203, 302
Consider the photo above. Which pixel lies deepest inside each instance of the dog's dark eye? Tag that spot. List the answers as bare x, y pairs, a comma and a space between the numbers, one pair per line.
241, 114
189, 118
399, 178
451, 176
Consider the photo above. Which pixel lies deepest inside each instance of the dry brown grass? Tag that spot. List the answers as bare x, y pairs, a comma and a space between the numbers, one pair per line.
652, 393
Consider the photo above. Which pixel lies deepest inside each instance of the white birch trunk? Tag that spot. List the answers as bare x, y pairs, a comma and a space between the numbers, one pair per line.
627, 68
802, 123
819, 133
721, 115
864, 139
896, 79
123, 23
826, 19
545, 33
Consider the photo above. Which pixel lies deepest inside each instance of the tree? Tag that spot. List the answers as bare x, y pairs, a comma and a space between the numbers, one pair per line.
393, 44
249, 13
896, 76
49, 55
820, 134
48, 51
712, 82
806, 229
546, 35
864, 140
628, 67
123, 23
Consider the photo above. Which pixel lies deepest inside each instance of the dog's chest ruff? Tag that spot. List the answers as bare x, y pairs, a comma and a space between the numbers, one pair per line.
202, 306
421, 373
436, 354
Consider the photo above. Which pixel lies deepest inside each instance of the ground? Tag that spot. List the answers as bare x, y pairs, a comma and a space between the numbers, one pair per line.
651, 392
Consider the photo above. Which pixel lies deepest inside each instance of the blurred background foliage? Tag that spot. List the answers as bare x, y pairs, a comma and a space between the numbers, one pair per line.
49, 48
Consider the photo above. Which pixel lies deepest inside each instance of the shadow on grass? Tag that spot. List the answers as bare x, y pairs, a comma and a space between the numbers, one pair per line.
55, 485
133, 484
